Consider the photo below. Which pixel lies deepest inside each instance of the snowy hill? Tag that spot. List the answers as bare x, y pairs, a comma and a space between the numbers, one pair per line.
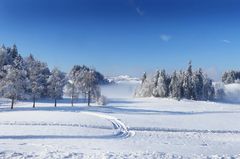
124, 78
125, 128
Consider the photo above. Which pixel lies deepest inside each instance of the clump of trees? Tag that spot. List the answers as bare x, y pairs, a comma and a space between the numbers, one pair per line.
187, 84
231, 77
29, 78
83, 80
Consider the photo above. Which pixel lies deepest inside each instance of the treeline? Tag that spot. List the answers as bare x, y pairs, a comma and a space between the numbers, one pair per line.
231, 77
29, 78
187, 84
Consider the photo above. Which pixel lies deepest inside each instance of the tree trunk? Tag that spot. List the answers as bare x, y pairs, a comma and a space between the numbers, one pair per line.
85, 97
34, 101
12, 103
55, 103
89, 98
72, 101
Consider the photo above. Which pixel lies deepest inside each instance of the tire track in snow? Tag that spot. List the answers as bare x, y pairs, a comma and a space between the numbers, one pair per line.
185, 130
54, 124
122, 130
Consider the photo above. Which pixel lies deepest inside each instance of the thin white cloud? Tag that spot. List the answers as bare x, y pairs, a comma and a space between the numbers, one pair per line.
226, 41
139, 11
165, 37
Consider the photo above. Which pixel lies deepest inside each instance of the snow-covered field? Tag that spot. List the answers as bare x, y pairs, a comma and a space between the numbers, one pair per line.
125, 128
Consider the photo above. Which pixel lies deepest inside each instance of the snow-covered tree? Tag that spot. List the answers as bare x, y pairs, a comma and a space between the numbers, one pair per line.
144, 77
219, 90
38, 74
231, 77
155, 83
208, 89
162, 85
13, 84
56, 83
89, 85
3, 56
72, 86
187, 82
198, 85
146, 87
85, 81
174, 86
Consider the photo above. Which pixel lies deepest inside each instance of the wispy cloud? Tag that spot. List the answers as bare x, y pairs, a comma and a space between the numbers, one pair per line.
165, 37
137, 7
139, 11
226, 41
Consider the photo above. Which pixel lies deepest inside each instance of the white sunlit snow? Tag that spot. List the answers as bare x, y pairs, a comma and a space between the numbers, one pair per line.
126, 127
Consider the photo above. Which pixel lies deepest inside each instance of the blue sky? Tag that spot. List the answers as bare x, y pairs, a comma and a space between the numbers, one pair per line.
125, 36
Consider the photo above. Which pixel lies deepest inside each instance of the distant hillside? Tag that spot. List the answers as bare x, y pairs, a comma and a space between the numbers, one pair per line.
123, 78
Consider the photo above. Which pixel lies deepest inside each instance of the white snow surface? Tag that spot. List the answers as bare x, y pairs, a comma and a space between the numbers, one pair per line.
125, 128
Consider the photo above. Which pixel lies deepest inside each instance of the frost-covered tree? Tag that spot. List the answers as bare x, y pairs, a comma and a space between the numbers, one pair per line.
187, 83
85, 81
56, 83
38, 74
208, 89
231, 77
144, 77
174, 86
13, 84
89, 85
155, 83
198, 85
3, 61
219, 90
3, 56
162, 85
146, 87
72, 86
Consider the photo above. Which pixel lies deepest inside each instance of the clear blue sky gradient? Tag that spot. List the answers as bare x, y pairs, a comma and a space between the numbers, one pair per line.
125, 36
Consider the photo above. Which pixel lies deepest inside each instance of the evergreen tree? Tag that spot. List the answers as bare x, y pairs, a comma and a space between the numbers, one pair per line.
162, 85
198, 85
144, 77
208, 89
187, 83
174, 86
155, 84
146, 87
231, 77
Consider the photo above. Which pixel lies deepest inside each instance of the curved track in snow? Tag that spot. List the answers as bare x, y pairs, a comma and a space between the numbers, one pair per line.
121, 129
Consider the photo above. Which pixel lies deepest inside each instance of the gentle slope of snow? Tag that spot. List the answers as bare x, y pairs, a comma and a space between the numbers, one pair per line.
125, 128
